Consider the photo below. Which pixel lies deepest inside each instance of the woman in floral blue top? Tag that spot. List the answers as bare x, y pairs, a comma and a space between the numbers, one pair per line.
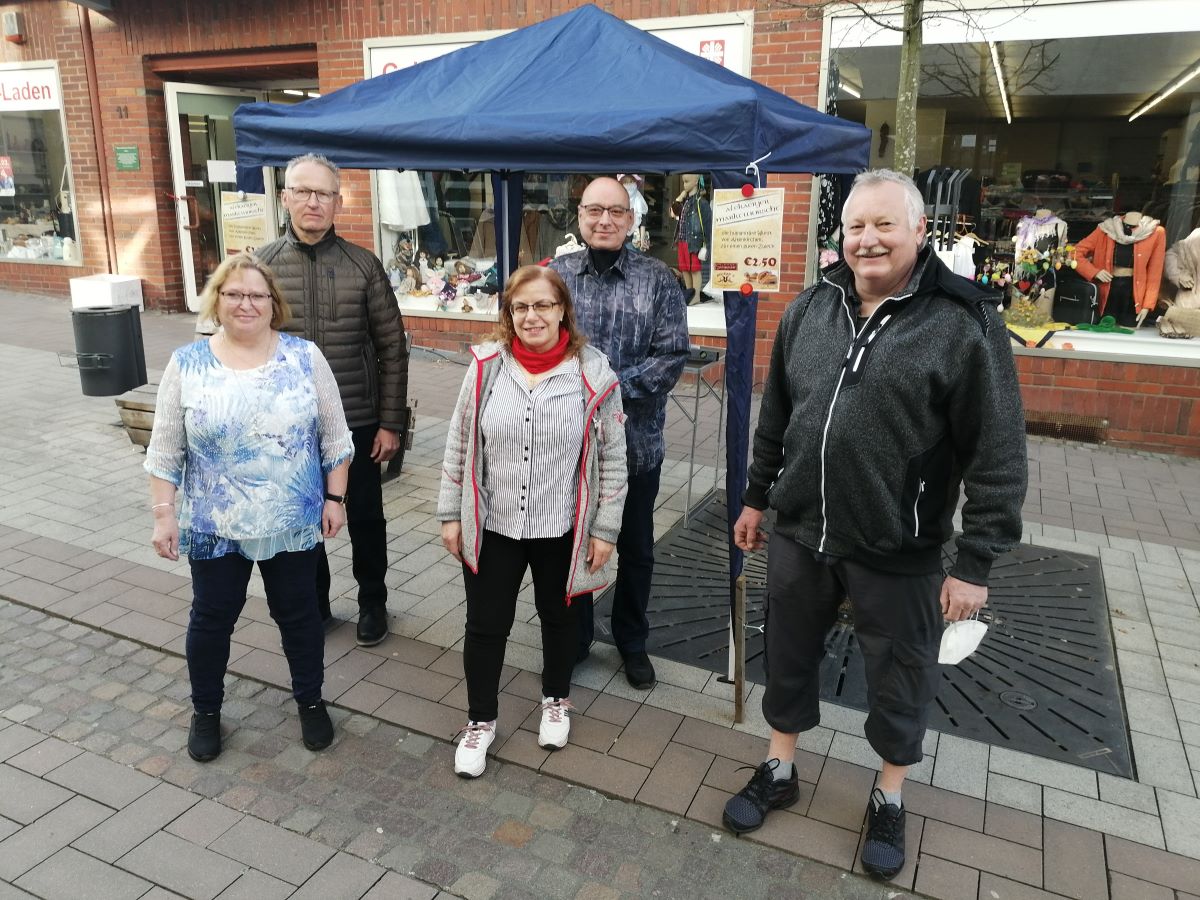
249, 425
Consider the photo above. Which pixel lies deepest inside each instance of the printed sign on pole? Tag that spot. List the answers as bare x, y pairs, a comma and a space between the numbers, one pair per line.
747, 239
244, 222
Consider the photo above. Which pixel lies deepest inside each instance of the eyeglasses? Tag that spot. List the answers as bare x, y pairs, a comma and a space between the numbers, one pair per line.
304, 194
541, 307
596, 211
237, 297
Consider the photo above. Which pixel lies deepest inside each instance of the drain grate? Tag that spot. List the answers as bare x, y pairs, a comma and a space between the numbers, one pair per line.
1043, 681
1069, 426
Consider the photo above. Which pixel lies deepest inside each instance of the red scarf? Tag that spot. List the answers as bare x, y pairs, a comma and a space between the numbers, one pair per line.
536, 363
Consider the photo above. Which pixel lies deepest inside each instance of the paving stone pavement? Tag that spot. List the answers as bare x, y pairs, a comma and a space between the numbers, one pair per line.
95, 791
985, 821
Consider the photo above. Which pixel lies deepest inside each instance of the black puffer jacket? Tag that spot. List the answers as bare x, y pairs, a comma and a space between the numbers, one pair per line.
341, 300
863, 439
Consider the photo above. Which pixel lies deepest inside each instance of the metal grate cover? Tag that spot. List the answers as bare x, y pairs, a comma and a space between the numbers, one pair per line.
1069, 426
1044, 680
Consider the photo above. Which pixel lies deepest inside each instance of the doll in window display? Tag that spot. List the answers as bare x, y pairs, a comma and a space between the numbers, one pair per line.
639, 237
692, 235
1124, 256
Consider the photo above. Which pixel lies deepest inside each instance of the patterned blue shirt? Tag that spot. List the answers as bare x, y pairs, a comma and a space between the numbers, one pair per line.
636, 314
249, 448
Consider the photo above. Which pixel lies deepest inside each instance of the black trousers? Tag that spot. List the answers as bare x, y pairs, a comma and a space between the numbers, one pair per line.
897, 623
218, 595
492, 606
366, 526
635, 570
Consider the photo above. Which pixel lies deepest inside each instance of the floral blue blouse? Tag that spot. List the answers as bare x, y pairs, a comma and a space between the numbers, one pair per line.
249, 448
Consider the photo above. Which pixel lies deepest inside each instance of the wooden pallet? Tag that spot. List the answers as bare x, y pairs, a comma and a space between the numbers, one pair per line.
137, 412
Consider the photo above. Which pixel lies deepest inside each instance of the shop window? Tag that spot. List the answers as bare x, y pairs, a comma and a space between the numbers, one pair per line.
1087, 117
447, 264
37, 208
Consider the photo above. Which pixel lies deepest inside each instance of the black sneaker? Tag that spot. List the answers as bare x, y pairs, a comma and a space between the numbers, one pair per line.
315, 726
639, 671
204, 737
372, 625
747, 809
883, 850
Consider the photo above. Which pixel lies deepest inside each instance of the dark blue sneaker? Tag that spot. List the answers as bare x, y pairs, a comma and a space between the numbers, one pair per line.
747, 809
883, 850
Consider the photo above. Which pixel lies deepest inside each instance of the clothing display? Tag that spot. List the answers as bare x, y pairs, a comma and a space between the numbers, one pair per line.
1182, 267
1038, 240
1096, 253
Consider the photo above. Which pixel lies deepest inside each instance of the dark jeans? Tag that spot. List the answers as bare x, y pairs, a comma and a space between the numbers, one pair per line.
898, 626
366, 526
492, 606
218, 595
635, 569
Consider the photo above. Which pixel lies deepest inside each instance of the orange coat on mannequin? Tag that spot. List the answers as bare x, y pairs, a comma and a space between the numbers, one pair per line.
1095, 253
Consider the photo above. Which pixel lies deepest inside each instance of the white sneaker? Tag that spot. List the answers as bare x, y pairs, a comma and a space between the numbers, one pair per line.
556, 725
471, 756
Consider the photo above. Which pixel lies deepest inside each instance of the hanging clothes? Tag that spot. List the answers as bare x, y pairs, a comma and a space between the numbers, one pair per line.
402, 205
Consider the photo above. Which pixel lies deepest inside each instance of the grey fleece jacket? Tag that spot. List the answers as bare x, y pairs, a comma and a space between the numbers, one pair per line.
864, 439
602, 477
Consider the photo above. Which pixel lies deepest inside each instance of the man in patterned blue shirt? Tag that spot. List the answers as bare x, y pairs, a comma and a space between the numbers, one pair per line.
631, 307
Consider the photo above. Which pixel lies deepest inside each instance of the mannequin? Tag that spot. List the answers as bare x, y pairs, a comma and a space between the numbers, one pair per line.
692, 234
1181, 264
1043, 233
638, 236
1124, 256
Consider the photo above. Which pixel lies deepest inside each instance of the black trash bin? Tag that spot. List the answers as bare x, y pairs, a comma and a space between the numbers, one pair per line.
109, 350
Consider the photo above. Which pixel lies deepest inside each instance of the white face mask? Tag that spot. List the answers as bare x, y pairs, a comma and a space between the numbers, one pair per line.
960, 640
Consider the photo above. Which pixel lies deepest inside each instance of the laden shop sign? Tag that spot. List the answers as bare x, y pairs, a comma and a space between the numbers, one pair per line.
747, 239
27, 89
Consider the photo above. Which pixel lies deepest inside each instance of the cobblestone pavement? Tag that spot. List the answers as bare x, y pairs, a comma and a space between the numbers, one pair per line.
95, 789
985, 821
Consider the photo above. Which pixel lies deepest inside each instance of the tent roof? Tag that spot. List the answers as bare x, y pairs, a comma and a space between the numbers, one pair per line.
583, 91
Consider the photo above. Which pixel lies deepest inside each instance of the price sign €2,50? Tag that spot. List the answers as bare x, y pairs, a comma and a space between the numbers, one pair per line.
747, 240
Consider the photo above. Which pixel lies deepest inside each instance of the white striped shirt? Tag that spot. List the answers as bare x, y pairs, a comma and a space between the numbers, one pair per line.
532, 441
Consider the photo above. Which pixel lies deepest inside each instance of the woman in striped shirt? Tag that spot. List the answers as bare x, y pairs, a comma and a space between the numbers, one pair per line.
534, 476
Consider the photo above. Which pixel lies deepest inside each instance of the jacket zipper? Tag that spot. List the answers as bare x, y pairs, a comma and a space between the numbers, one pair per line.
916, 503
837, 391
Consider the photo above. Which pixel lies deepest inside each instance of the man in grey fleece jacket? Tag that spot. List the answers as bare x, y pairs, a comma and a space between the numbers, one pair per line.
891, 384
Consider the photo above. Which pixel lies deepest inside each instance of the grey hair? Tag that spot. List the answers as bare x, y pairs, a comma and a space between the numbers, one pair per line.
319, 160
913, 200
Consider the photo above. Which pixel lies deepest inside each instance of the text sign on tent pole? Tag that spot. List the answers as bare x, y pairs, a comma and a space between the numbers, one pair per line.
244, 222
747, 240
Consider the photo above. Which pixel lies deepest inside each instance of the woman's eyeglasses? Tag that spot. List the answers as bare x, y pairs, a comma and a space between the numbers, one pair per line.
541, 307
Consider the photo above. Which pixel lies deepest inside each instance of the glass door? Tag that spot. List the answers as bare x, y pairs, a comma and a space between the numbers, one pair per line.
200, 131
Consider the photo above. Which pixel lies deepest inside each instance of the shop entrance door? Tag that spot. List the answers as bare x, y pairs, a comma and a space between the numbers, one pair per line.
200, 131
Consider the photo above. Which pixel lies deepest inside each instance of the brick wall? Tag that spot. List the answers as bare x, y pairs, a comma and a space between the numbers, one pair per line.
1148, 407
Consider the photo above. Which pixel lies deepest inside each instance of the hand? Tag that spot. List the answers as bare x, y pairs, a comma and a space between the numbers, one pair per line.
385, 446
747, 535
1104, 275
961, 599
332, 518
1186, 281
452, 538
165, 539
598, 553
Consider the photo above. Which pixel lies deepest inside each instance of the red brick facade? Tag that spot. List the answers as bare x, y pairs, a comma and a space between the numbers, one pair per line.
1148, 407
786, 56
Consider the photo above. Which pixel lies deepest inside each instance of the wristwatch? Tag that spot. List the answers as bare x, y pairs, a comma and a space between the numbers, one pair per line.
336, 498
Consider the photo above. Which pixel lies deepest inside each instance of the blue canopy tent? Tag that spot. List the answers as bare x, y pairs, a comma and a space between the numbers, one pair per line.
581, 92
